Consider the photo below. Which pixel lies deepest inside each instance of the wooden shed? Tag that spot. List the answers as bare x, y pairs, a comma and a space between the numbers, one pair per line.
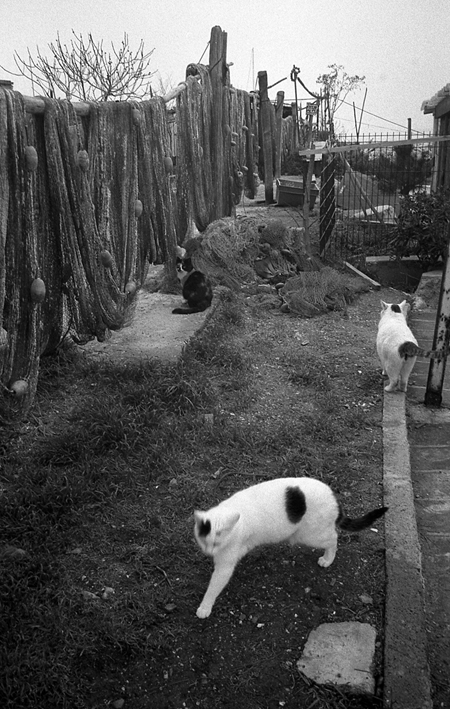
439, 106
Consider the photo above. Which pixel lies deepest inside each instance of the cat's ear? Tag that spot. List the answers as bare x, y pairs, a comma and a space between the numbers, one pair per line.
230, 520
404, 307
384, 306
198, 515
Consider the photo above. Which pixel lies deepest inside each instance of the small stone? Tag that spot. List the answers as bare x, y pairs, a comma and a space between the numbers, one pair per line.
118, 704
90, 596
107, 592
365, 599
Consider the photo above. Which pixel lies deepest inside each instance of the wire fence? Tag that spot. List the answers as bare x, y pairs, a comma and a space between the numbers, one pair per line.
362, 183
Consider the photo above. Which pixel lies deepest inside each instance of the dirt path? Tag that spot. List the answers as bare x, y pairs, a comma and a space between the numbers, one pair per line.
154, 332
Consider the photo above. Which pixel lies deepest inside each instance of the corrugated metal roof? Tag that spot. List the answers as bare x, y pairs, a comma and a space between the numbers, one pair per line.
430, 105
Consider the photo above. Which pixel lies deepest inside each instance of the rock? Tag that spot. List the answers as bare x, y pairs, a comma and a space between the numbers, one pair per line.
89, 596
364, 598
341, 654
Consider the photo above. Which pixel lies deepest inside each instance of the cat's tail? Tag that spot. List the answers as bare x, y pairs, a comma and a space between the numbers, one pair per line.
355, 525
410, 349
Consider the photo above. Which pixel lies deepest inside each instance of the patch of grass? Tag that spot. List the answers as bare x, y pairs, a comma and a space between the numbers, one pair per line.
97, 491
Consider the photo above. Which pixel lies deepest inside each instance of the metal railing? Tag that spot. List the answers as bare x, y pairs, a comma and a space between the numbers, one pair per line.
361, 188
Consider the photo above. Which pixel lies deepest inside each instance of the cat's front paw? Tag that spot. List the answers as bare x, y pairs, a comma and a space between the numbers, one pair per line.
203, 612
324, 562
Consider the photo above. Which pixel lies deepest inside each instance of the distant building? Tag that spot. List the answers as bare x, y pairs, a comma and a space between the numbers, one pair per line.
439, 106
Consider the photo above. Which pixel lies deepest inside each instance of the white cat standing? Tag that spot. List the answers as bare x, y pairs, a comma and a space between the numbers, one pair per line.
396, 345
393, 334
298, 510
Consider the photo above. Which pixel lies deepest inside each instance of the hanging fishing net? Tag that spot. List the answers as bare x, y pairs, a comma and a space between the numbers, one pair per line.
85, 204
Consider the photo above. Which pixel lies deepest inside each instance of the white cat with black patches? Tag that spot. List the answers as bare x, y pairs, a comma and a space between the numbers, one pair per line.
396, 345
297, 510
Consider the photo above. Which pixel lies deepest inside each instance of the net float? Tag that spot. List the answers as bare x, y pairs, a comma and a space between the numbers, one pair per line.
37, 290
31, 158
83, 160
130, 288
138, 207
19, 387
137, 116
106, 258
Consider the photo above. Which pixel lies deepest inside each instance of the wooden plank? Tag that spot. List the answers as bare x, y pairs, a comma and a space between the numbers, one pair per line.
217, 72
279, 132
441, 340
373, 283
266, 131
372, 146
442, 108
35, 104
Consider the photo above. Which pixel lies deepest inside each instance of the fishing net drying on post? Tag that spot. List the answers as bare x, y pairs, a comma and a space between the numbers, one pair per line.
85, 204
197, 196
314, 292
241, 251
226, 251
31, 304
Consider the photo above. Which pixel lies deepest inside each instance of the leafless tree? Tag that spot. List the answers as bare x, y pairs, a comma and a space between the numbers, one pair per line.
337, 84
83, 70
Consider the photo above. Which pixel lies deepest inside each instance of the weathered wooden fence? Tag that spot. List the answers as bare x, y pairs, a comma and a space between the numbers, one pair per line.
87, 201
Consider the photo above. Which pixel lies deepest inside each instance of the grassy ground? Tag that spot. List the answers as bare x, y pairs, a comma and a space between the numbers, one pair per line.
99, 574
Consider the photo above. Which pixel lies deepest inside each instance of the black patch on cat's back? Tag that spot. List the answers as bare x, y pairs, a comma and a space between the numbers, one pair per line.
295, 504
396, 308
204, 528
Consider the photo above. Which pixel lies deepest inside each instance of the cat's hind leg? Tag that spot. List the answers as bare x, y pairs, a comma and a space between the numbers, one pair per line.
330, 548
392, 384
405, 372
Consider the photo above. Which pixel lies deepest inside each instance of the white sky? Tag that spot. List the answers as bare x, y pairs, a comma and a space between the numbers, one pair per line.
402, 47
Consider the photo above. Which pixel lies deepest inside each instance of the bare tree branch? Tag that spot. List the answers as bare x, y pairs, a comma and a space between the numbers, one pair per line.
84, 70
337, 84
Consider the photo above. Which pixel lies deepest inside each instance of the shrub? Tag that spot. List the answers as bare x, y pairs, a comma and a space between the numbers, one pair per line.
422, 227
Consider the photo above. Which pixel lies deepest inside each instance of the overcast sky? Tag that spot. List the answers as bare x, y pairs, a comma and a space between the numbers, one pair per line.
402, 47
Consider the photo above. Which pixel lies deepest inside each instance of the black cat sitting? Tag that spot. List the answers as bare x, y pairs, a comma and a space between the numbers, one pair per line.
197, 290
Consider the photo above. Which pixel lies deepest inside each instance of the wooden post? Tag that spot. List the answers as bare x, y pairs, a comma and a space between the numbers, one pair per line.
307, 179
295, 130
217, 71
279, 132
441, 339
266, 136
327, 217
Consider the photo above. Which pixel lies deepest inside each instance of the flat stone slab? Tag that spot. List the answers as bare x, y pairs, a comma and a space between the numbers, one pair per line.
341, 654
